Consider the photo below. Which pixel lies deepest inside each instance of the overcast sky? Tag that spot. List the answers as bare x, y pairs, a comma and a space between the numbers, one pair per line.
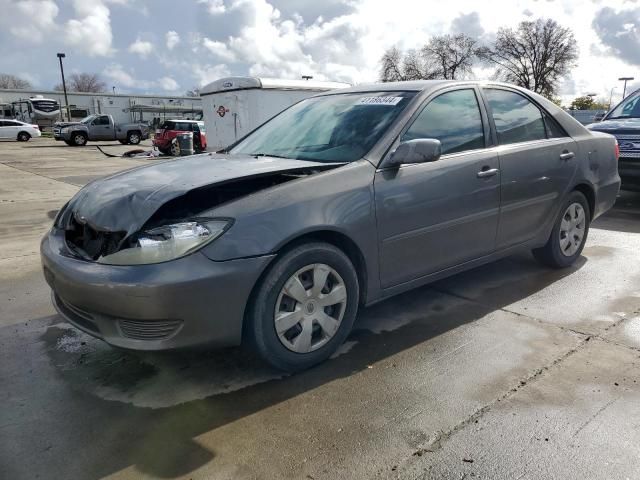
167, 46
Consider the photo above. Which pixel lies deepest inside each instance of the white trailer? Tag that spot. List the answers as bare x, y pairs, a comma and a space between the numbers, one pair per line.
234, 106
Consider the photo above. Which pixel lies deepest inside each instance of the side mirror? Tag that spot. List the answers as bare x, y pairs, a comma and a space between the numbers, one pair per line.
420, 150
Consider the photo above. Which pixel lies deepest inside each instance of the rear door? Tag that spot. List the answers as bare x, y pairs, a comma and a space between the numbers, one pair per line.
11, 129
4, 129
436, 215
537, 162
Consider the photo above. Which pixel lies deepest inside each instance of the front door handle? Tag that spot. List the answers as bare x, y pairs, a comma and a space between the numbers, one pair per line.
566, 155
487, 172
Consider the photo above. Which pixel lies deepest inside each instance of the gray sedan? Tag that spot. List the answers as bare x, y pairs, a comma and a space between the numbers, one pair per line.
340, 201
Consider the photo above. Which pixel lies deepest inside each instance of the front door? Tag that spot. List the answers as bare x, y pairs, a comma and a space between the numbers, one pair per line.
101, 129
436, 215
537, 162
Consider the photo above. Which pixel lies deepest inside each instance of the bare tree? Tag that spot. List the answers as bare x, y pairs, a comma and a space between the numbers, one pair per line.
442, 57
84, 82
535, 56
453, 55
392, 69
11, 81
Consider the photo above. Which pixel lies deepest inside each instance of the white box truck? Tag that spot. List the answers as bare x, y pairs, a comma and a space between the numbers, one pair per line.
234, 106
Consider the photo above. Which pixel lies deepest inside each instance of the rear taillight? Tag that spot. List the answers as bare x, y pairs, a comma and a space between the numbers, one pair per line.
36, 127
617, 150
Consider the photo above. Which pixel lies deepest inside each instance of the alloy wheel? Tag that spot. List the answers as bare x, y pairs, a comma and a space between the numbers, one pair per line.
572, 228
310, 308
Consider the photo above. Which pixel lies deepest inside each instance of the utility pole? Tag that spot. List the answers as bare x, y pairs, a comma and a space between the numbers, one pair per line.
624, 91
64, 86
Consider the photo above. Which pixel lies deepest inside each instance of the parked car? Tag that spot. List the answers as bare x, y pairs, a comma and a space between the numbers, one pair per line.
16, 130
623, 122
342, 200
170, 129
99, 127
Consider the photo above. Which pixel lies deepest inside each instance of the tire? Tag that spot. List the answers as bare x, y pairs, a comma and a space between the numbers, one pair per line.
558, 253
123, 142
174, 149
23, 137
260, 323
69, 142
133, 138
78, 139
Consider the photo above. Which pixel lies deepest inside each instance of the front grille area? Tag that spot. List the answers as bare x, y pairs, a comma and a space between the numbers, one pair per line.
628, 154
90, 243
149, 330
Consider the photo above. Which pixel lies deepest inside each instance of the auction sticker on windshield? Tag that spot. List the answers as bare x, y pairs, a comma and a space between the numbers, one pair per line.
379, 101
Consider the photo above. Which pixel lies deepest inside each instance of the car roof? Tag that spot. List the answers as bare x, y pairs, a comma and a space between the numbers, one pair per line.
182, 120
416, 86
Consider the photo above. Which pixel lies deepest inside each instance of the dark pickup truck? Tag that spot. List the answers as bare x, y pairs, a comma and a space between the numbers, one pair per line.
99, 127
624, 123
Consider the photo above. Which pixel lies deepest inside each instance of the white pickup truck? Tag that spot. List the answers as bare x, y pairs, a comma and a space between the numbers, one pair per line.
99, 127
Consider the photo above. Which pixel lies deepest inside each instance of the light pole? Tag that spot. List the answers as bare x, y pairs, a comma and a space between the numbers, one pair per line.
64, 86
624, 91
611, 98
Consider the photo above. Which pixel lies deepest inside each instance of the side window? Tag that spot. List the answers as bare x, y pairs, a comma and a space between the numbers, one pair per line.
454, 119
516, 118
104, 120
3, 124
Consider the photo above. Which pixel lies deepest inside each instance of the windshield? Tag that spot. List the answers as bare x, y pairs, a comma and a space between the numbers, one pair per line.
629, 108
331, 128
87, 119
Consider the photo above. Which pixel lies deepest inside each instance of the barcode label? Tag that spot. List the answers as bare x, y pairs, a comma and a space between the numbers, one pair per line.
379, 101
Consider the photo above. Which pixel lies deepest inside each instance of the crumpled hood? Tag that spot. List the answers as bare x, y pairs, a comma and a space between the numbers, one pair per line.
126, 200
617, 124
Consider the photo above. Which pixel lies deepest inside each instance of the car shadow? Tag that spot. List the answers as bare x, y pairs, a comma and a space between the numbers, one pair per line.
624, 216
148, 408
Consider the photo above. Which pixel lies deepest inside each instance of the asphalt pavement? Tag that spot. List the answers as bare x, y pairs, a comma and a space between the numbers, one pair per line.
511, 370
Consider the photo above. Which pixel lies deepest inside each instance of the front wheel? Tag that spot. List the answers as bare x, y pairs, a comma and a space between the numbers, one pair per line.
304, 307
133, 138
79, 139
569, 233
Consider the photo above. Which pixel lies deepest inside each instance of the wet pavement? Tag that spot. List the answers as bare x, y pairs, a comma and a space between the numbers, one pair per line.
510, 370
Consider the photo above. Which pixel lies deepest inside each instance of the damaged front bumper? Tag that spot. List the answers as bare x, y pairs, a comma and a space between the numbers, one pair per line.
186, 302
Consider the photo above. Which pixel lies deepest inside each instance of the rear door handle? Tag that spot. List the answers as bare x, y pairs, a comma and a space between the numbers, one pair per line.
487, 172
567, 155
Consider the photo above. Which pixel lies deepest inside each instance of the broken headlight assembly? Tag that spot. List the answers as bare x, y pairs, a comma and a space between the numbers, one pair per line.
168, 242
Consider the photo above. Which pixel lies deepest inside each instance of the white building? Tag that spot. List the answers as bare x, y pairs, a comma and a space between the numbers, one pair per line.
124, 108
234, 106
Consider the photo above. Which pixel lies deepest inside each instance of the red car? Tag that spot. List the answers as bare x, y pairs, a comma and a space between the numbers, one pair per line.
171, 128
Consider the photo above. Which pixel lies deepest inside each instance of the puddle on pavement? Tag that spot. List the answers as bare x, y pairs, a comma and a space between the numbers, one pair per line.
153, 380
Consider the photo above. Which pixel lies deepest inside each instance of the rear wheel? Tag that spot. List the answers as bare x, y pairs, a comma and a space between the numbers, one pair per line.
304, 307
79, 139
133, 138
569, 233
23, 137
174, 150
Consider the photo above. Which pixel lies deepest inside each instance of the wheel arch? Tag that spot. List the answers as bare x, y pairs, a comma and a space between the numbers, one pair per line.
589, 192
21, 132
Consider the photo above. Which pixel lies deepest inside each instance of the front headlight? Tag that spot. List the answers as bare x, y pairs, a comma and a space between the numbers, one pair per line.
168, 242
64, 130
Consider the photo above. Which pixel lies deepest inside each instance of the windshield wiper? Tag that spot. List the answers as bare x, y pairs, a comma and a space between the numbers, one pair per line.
269, 155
